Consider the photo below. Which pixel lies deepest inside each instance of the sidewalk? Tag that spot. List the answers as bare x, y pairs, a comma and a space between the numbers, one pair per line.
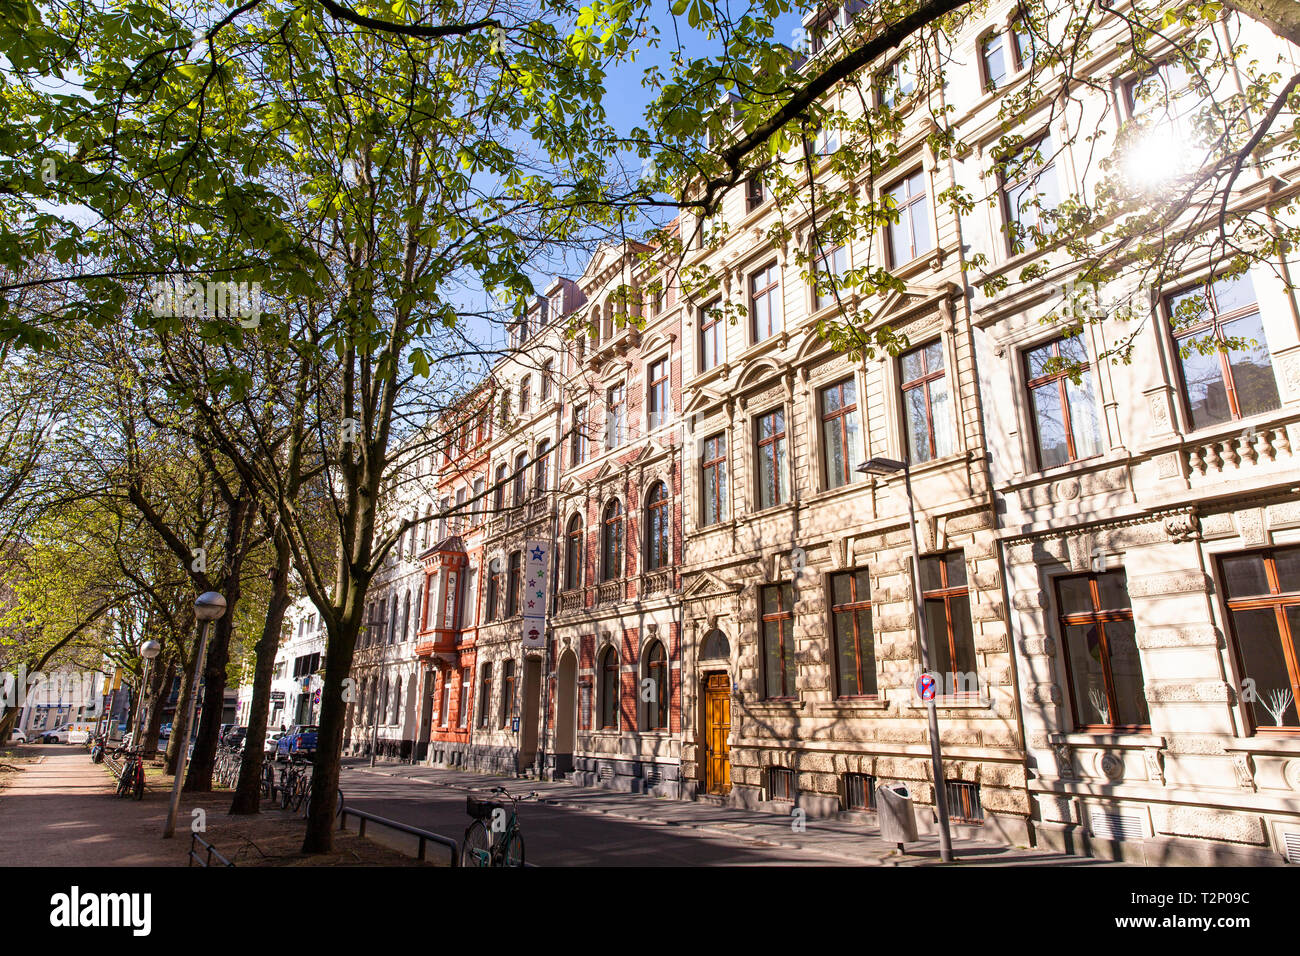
855, 843
61, 812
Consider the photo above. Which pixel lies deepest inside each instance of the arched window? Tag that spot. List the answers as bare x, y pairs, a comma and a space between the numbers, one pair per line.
521, 473
573, 554
499, 492
406, 616
392, 619
655, 709
609, 689
542, 480
493, 589
514, 582
715, 647
507, 693
611, 542
396, 716
657, 545
384, 701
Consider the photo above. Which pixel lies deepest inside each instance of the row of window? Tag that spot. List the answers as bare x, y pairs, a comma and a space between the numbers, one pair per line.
653, 691
1096, 626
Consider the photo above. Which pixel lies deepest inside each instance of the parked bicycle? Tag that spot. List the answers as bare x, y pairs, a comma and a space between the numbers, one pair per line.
130, 783
226, 770
97, 750
295, 784
494, 838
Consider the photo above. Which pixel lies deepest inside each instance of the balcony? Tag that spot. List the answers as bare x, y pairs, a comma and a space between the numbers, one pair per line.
658, 581
574, 600
611, 592
1242, 453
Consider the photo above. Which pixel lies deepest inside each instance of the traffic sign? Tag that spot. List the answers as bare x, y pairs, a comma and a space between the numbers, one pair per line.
925, 686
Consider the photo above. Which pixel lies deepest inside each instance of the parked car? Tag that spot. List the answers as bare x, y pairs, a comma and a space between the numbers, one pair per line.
269, 745
17, 736
300, 741
234, 738
164, 733
74, 733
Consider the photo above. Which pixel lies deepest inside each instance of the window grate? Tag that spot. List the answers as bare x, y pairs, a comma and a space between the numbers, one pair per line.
1292, 841
604, 772
964, 802
859, 791
780, 783
1116, 826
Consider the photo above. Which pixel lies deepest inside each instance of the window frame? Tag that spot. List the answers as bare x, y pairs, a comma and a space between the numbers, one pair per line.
769, 450
658, 537
947, 593
1098, 616
855, 604
1027, 170
615, 415
1061, 379
779, 617
904, 209
506, 709
770, 296
485, 695
713, 480
1278, 601
656, 716
573, 549
658, 392
711, 328
608, 671
1213, 324
514, 583
823, 417
923, 382
612, 550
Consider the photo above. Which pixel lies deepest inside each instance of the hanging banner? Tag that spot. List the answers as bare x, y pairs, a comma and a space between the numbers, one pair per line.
537, 560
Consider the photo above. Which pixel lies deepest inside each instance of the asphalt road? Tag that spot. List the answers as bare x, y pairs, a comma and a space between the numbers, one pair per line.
558, 836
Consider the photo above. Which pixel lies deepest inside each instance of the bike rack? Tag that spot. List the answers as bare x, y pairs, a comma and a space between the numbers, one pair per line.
212, 851
425, 837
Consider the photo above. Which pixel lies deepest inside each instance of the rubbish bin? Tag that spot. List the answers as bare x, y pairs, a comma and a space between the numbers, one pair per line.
897, 819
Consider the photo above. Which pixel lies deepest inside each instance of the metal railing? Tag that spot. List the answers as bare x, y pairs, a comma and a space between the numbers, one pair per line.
212, 852
424, 836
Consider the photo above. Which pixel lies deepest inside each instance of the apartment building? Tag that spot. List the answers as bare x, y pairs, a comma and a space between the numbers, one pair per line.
617, 699
298, 672
1149, 526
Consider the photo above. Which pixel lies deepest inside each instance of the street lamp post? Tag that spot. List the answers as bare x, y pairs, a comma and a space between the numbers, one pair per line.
209, 607
888, 466
149, 650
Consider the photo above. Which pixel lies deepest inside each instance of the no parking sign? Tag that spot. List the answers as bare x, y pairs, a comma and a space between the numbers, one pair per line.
925, 686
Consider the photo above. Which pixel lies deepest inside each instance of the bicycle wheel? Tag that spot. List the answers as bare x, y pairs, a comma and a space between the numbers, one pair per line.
477, 848
513, 854
288, 784
268, 782
301, 788
137, 785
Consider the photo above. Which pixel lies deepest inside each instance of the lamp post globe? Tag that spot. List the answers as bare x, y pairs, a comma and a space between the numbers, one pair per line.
209, 606
150, 650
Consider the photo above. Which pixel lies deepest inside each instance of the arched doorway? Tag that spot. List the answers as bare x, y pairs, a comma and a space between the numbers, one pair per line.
566, 711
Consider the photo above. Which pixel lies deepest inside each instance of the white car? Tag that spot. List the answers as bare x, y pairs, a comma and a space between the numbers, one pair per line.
66, 734
17, 737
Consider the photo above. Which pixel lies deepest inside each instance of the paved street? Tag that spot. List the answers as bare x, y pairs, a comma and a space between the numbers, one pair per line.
577, 826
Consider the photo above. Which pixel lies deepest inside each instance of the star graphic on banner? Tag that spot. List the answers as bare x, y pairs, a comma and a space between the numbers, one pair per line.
532, 582
537, 554
530, 603
539, 593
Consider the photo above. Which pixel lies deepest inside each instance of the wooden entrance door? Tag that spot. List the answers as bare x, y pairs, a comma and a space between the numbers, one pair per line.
717, 730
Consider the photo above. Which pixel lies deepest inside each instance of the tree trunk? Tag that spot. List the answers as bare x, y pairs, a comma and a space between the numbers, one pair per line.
248, 793
160, 684
329, 741
182, 705
1280, 16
